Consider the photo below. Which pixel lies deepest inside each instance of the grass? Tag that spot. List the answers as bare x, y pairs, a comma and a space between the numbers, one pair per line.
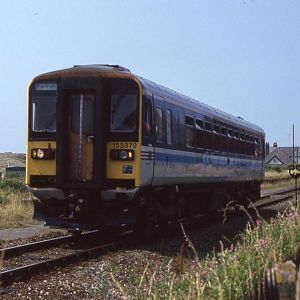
234, 272
16, 209
275, 179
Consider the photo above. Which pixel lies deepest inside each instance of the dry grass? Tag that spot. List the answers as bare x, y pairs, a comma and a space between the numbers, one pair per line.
16, 209
277, 175
274, 179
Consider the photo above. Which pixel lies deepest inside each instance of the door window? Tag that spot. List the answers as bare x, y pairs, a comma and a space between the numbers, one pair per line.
159, 124
169, 126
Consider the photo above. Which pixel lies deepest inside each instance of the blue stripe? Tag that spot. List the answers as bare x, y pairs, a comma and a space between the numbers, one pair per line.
222, 161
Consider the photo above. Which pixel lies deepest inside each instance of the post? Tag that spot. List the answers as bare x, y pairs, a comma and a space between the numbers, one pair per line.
293, 144
296, 177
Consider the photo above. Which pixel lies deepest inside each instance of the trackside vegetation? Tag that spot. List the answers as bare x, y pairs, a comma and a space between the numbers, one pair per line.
16, 207
234, 272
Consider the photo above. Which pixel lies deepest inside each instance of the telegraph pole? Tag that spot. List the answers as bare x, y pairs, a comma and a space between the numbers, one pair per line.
296, 167
293, 144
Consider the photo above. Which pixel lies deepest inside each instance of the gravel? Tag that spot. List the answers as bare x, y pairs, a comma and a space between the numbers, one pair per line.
117, 274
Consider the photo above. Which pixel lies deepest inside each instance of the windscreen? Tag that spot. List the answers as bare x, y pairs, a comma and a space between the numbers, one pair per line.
43, 117
123, 109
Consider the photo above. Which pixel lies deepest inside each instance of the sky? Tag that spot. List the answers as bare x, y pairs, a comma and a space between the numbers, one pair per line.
241, 56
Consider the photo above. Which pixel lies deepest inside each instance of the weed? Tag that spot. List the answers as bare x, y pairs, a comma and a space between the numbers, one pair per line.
235, 272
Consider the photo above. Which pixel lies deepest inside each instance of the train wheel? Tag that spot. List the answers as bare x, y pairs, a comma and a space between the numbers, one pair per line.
148, 218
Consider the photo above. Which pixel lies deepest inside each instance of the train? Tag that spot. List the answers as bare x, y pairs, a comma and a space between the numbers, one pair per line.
106, 147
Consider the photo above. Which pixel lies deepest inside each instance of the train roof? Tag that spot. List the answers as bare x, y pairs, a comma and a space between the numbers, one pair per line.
149, 87
198, 106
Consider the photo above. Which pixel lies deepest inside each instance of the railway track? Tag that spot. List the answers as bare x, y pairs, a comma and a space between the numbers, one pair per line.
27, 271
274, 197
44, 244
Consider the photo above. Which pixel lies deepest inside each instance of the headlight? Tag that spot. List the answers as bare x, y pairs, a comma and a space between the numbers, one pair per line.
123, 155
42, 153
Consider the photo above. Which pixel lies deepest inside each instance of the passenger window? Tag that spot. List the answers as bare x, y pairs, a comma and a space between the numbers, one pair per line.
248, 149
189, 121
230, 141
216, 137
223, 140
199, 134
189, 131
252, 148
207, 136
242, 143
236, 142
169, 126
256, 147
159, 125
216, 129
199, 124
207, 126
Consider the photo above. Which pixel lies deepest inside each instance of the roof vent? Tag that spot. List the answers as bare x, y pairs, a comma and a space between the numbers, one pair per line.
120, 68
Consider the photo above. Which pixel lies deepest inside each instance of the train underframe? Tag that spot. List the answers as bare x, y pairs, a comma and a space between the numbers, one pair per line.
144, 208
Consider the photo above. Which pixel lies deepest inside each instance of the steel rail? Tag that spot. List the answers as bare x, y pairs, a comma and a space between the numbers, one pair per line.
280, 191
272, 201
284, 194
44, 244
25, 272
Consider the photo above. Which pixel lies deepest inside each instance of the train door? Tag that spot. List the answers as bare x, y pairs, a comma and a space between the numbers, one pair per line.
171, 121
80, 136
160, 151
148, 132
80, 139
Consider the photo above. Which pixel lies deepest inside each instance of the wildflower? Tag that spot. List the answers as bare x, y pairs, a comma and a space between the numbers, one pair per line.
258, 223
146, 290
291, 215
263, 242
193, 266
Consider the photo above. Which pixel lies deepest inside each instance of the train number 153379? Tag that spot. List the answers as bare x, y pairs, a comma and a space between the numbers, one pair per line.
124, 145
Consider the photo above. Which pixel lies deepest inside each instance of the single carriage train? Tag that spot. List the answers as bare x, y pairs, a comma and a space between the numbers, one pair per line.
106, 147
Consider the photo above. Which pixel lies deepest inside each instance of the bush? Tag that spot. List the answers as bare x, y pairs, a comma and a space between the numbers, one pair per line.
14, 184
277, 169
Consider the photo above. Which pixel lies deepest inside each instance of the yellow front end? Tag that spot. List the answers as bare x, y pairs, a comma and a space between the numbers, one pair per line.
124, 169
39, 166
